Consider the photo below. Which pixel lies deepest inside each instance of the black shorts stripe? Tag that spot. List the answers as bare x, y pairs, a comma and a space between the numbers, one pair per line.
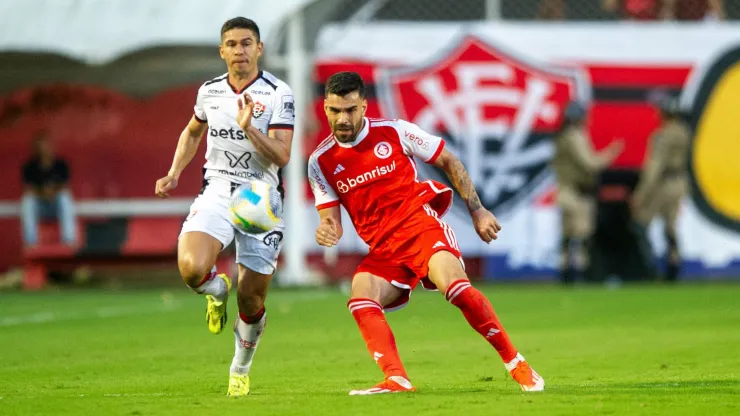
280, 126
280, 186
204, 184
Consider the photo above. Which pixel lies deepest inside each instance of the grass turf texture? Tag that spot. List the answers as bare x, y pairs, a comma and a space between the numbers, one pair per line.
648, 350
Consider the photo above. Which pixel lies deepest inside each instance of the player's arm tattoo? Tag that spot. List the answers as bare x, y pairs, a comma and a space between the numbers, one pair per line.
460, 179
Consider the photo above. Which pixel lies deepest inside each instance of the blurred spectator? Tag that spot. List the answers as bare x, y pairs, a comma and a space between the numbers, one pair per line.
665, 9
633, 9
664, 181
46, 193
694, 10
577, 167
551, 10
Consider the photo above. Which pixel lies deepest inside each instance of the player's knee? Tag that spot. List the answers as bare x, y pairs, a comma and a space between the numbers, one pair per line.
193, 270
365, 287
444, 269
251, 292
452, 276
368, 286
250, 303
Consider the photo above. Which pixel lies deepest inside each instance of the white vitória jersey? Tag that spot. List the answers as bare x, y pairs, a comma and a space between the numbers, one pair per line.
230, 154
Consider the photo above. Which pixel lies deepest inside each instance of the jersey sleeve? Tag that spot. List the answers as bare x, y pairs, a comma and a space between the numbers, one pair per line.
419, 143
323, 193
283, 112
199, 108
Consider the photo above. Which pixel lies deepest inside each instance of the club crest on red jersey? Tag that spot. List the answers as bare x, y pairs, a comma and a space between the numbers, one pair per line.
497, 111
383, 150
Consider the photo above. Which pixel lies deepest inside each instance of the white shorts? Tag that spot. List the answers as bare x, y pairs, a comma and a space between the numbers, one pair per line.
209, 214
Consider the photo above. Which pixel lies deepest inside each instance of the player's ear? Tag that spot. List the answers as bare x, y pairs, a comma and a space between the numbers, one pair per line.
260, 48
221, 51
364, 106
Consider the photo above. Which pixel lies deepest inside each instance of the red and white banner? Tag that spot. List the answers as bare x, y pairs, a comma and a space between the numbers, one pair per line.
496, 93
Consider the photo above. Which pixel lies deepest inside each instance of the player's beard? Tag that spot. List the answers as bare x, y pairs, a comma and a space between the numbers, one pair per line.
351, 132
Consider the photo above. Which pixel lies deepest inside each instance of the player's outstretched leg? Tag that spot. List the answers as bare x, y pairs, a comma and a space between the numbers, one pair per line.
369, 292
196, 258
447, 273
248, 327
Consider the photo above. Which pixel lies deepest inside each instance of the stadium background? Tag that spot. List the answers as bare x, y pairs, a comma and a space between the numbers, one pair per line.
114, 98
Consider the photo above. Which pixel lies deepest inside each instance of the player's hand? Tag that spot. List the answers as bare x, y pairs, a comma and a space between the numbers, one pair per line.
244, 114
486, 224
165, 185
327, 233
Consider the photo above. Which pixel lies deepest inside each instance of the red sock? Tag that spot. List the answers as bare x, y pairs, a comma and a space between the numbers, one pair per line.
208, 276
480, 315
254, 318
378, 336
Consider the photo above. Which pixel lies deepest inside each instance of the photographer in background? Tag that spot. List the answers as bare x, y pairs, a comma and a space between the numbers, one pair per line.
46, 193
664, 181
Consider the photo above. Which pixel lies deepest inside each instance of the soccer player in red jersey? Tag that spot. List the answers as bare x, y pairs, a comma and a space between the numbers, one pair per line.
367, 166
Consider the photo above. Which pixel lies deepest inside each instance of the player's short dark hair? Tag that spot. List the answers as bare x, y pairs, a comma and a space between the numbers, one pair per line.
343, 83
241, 23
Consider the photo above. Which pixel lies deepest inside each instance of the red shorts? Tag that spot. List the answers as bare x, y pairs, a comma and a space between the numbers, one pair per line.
403, 260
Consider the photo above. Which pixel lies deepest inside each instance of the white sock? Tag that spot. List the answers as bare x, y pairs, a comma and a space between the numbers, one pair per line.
513, 363
247, 338
213, 286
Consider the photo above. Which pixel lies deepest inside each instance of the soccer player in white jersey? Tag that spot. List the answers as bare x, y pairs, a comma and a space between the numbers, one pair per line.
248, 116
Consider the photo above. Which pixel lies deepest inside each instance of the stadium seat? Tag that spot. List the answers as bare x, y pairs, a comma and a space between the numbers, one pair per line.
49, 246
106, 243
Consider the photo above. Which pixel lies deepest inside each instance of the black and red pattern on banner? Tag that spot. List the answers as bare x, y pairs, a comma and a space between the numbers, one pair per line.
622, 106
486, 97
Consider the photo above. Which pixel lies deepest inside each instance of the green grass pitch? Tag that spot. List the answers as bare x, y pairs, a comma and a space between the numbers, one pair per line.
638, 350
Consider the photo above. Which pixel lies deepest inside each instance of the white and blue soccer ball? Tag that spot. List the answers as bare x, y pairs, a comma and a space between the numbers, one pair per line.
255, 207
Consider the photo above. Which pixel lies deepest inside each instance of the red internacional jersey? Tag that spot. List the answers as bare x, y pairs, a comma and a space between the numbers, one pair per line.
375, 177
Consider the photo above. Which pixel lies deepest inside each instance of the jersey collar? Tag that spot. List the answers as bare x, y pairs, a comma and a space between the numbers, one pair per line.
360, 137
249, 84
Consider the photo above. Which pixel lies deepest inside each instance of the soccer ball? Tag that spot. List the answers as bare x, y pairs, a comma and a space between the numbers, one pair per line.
255, 207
